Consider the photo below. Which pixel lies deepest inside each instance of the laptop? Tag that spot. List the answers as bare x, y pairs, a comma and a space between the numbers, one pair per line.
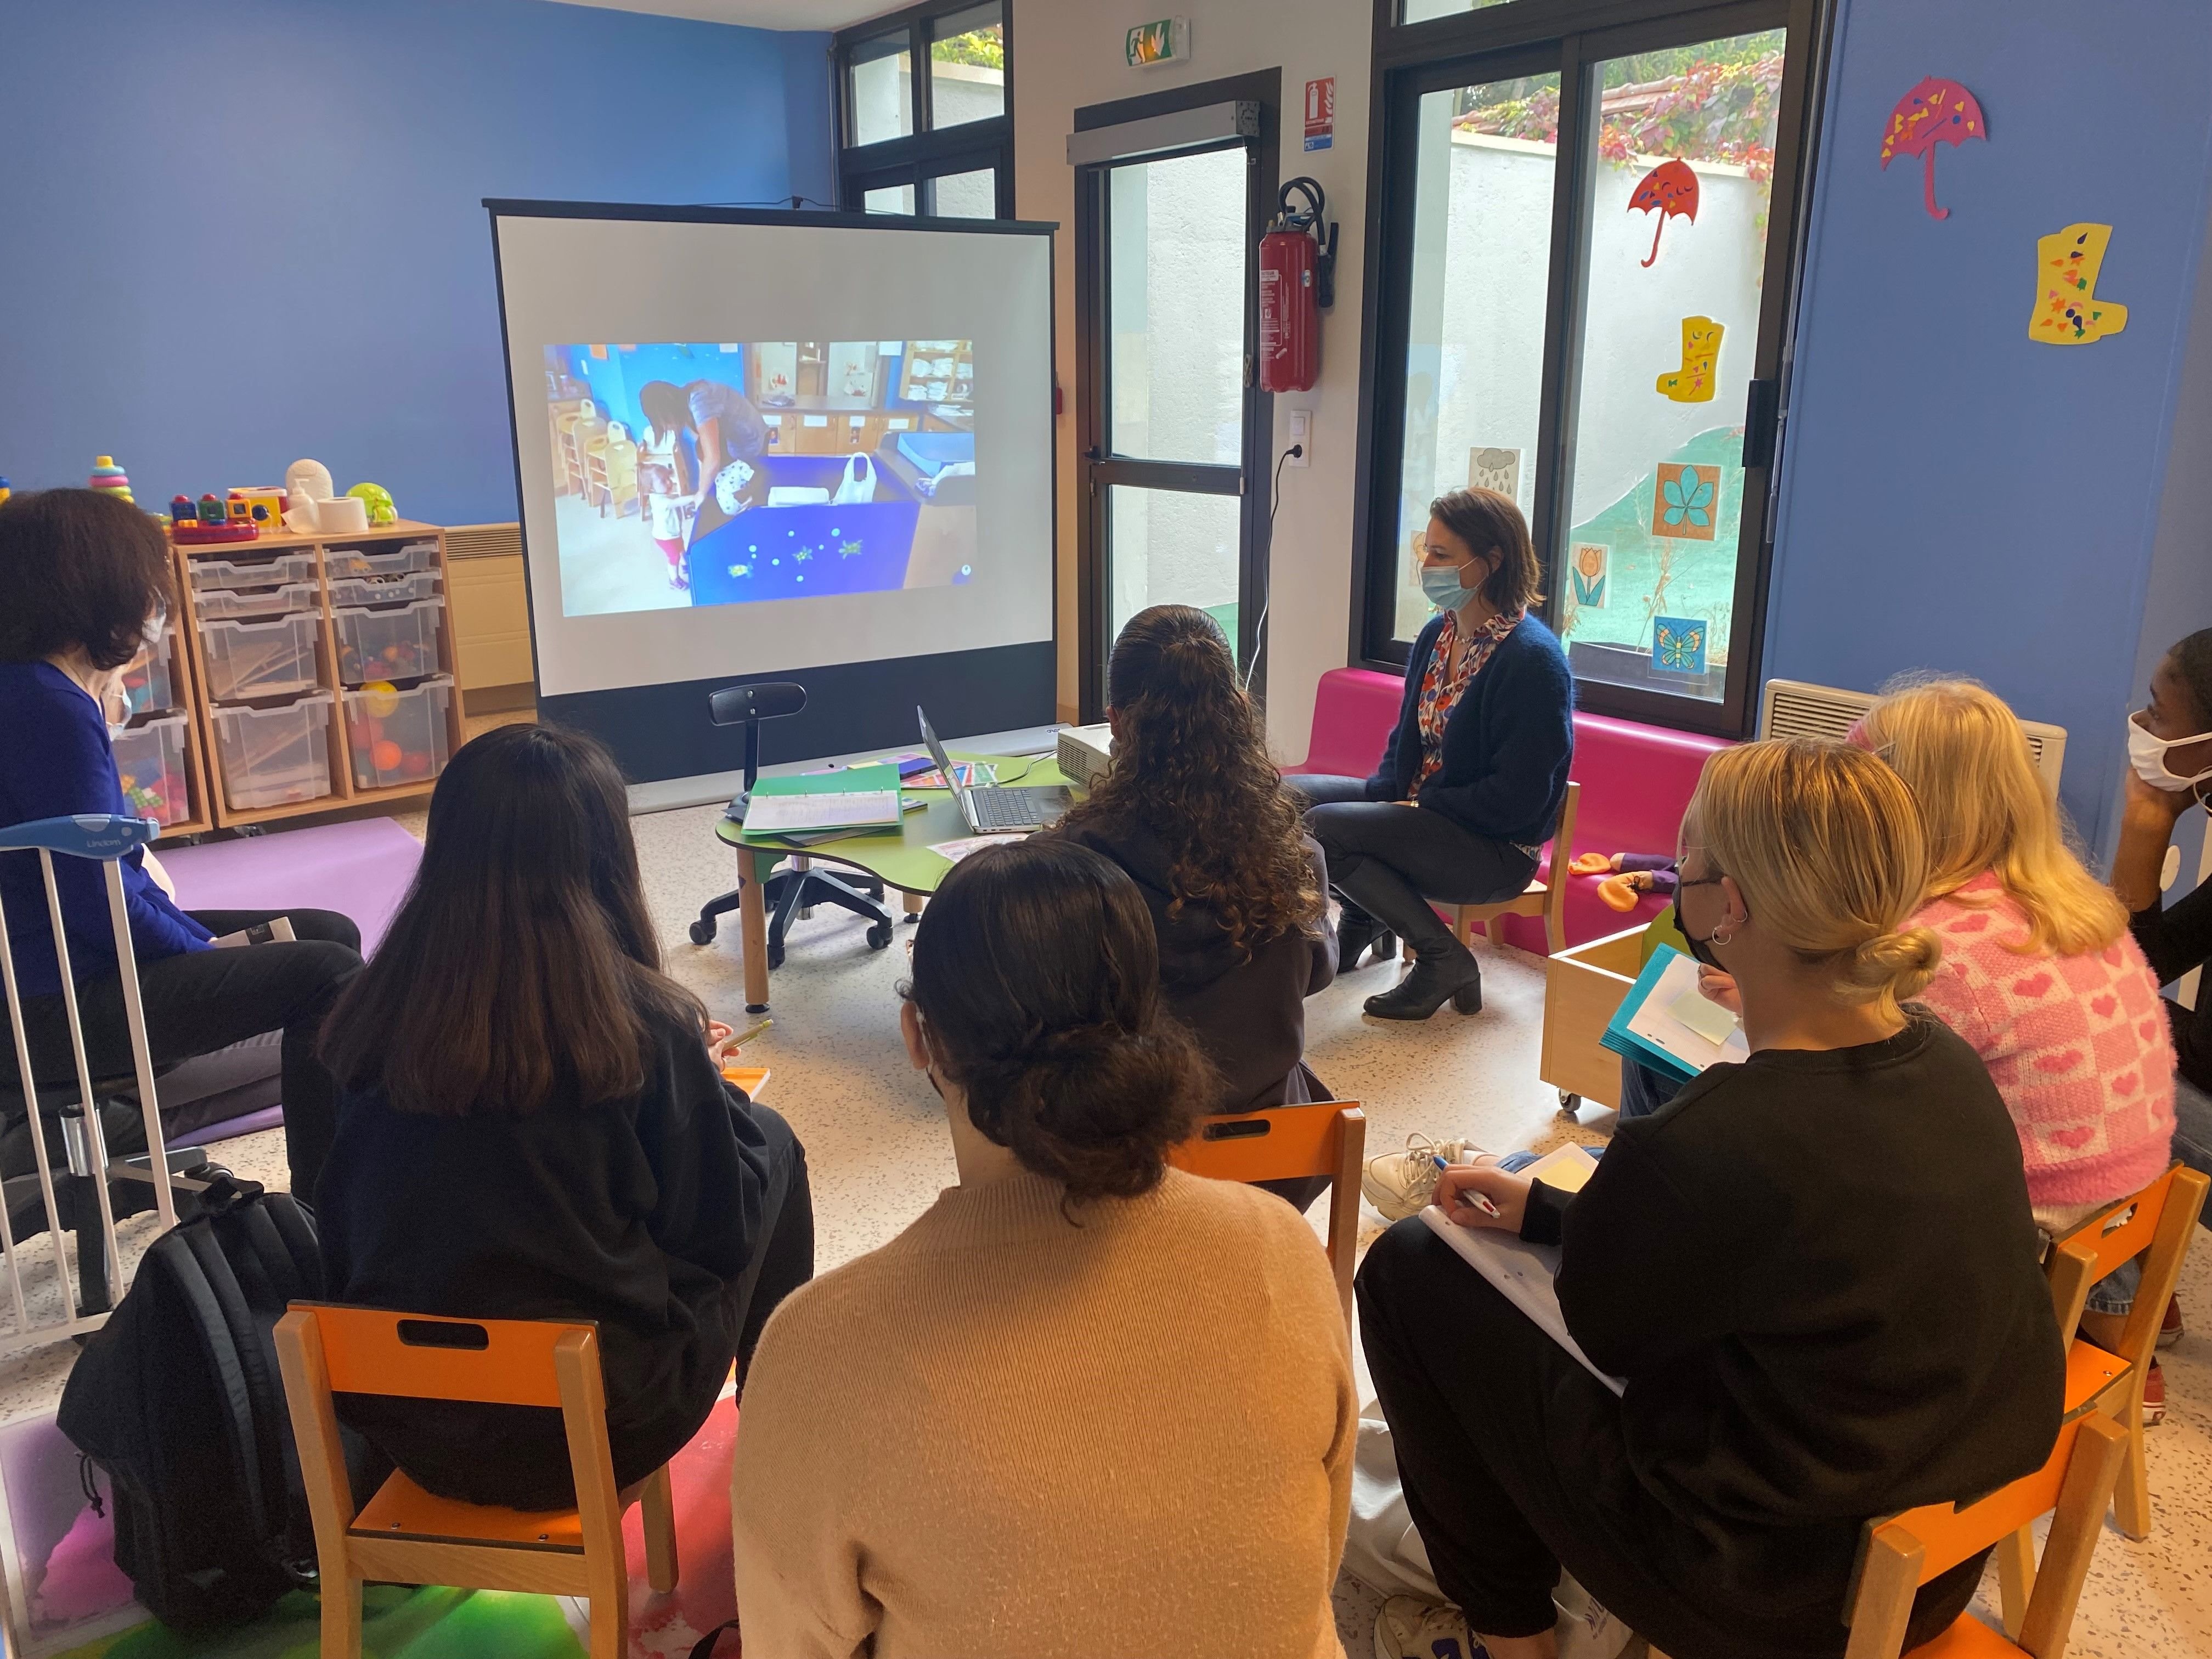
992, 810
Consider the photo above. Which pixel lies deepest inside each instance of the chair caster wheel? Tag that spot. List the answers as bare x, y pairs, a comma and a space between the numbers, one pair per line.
879, 936
1569, 1102
703, 931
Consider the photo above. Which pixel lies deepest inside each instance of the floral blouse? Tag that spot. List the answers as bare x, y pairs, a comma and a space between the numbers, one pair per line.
1440, 689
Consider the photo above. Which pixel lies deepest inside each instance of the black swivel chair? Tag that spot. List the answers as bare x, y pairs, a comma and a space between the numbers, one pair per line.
788, 890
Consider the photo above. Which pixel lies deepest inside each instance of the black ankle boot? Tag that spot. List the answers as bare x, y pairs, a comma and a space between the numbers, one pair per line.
1455, 978
1356, 934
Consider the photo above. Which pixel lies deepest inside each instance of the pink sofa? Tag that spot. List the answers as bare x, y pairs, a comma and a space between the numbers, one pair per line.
1636, 782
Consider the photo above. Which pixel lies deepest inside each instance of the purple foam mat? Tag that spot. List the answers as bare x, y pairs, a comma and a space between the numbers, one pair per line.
361, 868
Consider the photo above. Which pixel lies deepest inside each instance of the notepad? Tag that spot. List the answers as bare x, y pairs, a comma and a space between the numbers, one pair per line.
1524, 1273
853, 797
1663, 1022
752, 1079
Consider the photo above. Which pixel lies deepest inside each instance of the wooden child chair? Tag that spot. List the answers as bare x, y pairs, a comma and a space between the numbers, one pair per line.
405, 1535
1545, 896
1288, 1143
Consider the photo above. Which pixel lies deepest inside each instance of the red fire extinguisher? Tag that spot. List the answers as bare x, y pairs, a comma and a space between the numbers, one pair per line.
1297, 282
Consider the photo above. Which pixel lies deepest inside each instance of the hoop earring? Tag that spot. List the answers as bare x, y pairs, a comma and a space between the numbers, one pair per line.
1717, 937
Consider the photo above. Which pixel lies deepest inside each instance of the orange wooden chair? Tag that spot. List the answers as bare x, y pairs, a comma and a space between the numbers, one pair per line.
406, 1536
1285, 1143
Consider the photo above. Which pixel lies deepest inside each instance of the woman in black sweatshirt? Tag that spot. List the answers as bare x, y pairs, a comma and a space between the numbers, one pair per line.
1197, 815
533, 1127
1814, 1271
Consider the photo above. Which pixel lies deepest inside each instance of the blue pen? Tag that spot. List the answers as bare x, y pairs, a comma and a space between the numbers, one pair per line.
1476, 1198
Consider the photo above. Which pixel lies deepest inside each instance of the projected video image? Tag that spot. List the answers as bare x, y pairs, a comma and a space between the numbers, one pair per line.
730, 473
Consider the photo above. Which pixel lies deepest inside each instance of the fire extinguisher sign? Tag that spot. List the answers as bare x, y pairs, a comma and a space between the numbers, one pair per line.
1321, 113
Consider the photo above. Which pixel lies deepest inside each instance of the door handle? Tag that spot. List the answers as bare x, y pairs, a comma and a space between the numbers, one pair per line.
1762, 412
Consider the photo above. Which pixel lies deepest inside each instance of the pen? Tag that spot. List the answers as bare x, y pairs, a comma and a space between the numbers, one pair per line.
1475, 1198
730, 1044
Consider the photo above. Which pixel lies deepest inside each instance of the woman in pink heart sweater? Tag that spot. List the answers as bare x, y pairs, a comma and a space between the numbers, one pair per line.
2039, 973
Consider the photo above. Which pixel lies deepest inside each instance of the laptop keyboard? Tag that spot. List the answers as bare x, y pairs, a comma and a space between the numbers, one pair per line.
1012, 809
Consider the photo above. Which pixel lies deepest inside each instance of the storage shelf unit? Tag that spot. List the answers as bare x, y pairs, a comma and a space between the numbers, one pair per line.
226, 747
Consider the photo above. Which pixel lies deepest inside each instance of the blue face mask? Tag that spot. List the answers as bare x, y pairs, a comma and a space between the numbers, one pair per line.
1440, 584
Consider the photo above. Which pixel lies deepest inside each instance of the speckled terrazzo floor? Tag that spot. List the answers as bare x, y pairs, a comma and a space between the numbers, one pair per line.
878, 1155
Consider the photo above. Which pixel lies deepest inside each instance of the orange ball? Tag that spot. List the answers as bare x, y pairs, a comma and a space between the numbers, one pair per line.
386, 754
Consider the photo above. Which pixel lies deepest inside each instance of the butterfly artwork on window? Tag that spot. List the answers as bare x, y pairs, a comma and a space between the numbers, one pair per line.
1678, 644
1686, 504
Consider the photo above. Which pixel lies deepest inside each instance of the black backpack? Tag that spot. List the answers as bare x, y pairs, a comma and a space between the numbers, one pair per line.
179, 1401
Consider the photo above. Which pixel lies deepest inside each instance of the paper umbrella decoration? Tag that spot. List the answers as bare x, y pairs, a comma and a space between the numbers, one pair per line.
1933, 112
1668, 190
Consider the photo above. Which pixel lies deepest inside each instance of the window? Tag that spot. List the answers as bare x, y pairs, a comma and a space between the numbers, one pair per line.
1171, 190
1588, 259
939, 144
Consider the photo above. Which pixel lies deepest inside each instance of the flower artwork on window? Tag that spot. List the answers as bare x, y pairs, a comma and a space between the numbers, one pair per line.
1678, 644
1686, 504
1592, 560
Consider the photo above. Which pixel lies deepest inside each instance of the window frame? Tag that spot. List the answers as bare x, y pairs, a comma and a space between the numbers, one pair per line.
926, 154
1533, 37
1098, 467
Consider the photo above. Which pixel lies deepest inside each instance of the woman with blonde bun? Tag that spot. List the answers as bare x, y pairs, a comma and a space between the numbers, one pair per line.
1814, 1272
2039, 973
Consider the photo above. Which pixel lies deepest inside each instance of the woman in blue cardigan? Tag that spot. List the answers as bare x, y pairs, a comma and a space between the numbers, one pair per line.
1472, 783
84, 593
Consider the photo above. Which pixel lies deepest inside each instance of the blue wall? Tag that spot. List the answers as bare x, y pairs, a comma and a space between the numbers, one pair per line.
1956, 496
209, 287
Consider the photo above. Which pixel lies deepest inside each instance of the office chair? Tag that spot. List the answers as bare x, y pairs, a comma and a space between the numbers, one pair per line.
792, 890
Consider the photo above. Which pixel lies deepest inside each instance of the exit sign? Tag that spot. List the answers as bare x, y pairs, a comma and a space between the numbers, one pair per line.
1166, 41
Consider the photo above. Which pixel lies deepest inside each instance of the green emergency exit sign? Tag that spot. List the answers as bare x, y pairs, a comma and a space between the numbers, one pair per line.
1166, 41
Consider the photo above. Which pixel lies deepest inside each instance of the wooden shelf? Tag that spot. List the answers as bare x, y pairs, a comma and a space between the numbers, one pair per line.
213, 809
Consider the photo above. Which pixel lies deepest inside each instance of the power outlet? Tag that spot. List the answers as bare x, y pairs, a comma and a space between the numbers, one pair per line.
1301, 428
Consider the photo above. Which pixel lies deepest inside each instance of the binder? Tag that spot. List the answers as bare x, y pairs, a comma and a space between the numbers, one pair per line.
1645, 1029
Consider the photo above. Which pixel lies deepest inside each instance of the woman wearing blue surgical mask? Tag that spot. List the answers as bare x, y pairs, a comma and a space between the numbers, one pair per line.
84, 584
1471, 784
2170, 771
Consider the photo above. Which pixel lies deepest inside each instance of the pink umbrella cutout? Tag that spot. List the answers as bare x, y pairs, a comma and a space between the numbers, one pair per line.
1672, 188
1933, 112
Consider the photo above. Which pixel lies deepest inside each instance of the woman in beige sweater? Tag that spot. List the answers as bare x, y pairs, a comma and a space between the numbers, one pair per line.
1086, 1404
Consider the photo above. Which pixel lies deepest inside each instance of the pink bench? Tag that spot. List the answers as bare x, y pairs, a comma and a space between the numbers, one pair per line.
1636, 780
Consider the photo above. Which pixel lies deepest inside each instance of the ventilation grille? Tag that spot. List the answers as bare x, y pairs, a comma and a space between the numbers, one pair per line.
1792, 708
482, 541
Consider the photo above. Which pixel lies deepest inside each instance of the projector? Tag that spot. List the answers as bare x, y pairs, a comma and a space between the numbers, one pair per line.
1086, 752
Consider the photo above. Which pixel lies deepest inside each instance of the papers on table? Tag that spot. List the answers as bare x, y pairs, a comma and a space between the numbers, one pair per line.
1664, 1023
783, 815
967, 845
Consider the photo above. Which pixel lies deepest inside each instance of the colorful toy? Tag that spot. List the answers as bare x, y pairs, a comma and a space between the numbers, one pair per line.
379, 501
109, 477
208, 520
4, 491
386, 754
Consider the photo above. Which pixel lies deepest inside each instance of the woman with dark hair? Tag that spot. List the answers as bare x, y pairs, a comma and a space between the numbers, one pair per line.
1480, 754
1086, 1404
533, 1127
1196, 814
730, 436
84, 595
2170, 751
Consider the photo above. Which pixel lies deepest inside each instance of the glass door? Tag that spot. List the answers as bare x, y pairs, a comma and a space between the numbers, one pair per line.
1588, 258
1167, 251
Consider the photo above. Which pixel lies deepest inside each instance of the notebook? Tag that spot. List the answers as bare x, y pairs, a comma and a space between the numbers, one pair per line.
752, 1079
1524, 1273
1665, 1023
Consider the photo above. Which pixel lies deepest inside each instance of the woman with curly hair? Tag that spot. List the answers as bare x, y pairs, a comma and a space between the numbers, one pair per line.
1197, 815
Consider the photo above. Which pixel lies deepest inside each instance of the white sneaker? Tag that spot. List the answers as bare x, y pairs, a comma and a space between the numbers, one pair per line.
1409, 1628
1400, 1184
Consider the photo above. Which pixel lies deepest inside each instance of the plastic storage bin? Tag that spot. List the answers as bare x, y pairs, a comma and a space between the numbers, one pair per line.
152, 690
395, 590
211, 603
260, 659
389, 645
382, 561
150, 760
285, 570
399, 737
269, 756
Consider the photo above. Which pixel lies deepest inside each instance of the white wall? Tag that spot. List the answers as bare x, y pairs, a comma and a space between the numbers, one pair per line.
1067, 54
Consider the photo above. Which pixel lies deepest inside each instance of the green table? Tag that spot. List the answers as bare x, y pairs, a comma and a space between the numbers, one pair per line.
900, 860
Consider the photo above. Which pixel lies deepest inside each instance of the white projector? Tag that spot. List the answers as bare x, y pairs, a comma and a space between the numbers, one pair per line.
1086, 752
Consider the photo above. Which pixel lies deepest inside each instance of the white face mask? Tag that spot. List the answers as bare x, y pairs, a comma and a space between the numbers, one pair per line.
2147, 753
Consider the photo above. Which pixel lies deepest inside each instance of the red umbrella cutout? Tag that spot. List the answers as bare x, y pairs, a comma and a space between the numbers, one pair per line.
1671, 188
1933, 112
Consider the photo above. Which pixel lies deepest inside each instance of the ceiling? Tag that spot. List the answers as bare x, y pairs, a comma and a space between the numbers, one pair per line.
760, 14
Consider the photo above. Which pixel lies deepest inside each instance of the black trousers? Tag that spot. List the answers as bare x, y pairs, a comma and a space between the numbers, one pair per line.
204, 1001
1514, 1461
1390, 860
